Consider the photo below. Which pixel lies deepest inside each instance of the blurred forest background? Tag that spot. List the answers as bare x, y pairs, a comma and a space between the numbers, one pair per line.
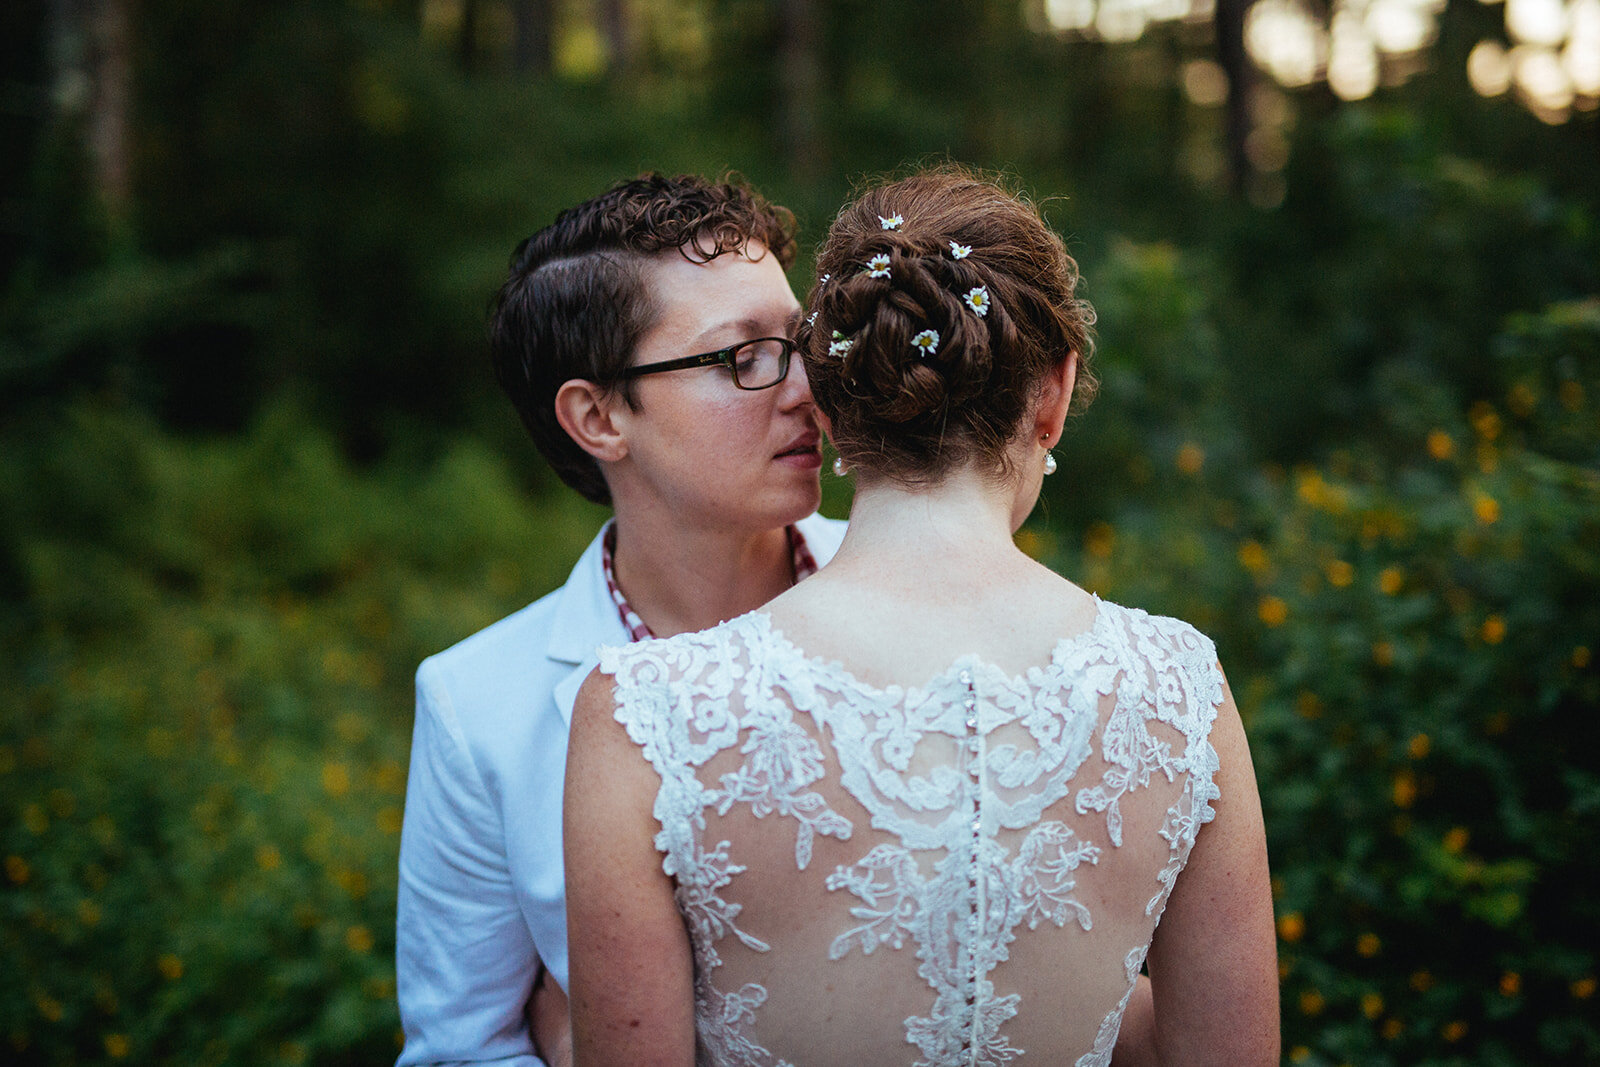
1346, 255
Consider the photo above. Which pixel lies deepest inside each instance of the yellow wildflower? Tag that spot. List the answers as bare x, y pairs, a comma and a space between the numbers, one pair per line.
1253, 557
1371, 1005
48, 1006
1273, 610
1391, 580
268, 857
1099, 539
1421, 980
1308, 705
17, 870
1510, 984
1522, 399
1486, 508
1419, 746
1455, 839
358, 939
1485, 420
1405, 789
1440, 444
1368, 945
117, 1045
1583, 988
1580, 657
1312, 1002
1340, 574
1493, 630
1393, 1028
1382, 653
1453, 1031
1191, 457
1292, 927
336, 779
389, 819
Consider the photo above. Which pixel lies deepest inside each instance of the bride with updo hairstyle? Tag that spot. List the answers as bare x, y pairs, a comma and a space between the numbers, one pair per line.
991, 290
936, 805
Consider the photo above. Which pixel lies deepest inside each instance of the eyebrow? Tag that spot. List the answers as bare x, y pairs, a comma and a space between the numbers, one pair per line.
748, 329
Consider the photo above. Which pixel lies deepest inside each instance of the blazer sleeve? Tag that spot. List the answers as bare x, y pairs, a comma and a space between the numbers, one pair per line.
464, 958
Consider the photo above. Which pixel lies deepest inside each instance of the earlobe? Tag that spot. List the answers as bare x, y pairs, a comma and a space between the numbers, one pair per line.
585, 412
1056, 399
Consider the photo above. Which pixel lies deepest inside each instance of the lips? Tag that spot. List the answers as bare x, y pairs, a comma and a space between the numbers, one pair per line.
803, 452
804, 445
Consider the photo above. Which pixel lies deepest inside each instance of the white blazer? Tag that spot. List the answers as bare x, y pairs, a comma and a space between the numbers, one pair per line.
481, 895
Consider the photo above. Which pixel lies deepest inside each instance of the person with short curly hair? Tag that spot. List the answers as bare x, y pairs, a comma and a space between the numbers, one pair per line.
645, 339
937, 804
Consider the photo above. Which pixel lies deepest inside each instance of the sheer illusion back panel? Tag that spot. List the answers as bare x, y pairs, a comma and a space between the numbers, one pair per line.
965, 872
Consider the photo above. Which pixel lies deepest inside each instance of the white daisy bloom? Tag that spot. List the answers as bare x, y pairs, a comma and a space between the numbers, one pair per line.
823, 280
978, 300
926, 342
893, 222
878, 266
959, 251
840, 347
811, 319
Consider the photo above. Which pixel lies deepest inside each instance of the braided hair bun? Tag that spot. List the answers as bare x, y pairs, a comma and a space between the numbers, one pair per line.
942, 302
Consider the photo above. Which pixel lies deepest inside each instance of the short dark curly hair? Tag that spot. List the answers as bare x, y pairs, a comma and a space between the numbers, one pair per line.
917, 258
575, 304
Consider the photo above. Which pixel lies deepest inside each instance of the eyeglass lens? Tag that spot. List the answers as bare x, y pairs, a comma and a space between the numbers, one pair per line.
759, 364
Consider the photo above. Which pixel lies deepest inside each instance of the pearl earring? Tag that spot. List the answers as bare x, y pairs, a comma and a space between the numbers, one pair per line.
839, 468
1049, 462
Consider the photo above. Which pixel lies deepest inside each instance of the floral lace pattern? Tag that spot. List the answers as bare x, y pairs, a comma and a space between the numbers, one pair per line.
941, 771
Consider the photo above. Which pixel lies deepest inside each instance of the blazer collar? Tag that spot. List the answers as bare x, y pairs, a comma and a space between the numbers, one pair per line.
585, 615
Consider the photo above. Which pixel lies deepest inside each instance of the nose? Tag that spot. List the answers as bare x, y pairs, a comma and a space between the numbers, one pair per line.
795, 389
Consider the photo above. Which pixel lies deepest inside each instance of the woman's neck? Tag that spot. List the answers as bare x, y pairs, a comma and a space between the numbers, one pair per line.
962, 526
679, 577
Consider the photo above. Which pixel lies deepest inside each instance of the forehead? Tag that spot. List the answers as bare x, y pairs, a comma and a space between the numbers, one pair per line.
733, 292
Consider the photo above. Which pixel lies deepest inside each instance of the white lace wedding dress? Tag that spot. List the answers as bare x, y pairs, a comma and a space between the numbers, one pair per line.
966, 872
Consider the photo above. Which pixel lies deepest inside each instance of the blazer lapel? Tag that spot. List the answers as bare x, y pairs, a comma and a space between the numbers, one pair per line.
585, 618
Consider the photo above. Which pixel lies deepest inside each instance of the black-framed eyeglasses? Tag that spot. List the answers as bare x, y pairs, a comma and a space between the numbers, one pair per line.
756, 364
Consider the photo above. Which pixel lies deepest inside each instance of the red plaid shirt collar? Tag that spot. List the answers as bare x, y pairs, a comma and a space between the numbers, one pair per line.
805, 565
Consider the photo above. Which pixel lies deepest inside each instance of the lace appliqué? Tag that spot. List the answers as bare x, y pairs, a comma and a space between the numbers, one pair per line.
677, 699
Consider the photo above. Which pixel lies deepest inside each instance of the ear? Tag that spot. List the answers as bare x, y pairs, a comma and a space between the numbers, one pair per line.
1055, 399
585, 411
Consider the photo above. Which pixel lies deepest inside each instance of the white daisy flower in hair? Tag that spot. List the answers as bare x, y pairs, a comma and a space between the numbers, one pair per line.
811, 319
959, 251
840, 344
978, 300
893, 222
878, 266
823, 280
926, 342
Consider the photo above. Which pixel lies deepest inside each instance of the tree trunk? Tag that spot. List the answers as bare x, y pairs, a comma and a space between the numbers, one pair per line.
532, 48
92, 68
616, 26
1235, 61
467, 41
799, 78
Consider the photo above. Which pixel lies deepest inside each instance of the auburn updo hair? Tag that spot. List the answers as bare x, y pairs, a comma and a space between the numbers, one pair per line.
910, 414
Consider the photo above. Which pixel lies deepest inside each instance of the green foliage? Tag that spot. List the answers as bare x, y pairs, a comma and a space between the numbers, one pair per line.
1352, 435
202, 764
1411, 638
